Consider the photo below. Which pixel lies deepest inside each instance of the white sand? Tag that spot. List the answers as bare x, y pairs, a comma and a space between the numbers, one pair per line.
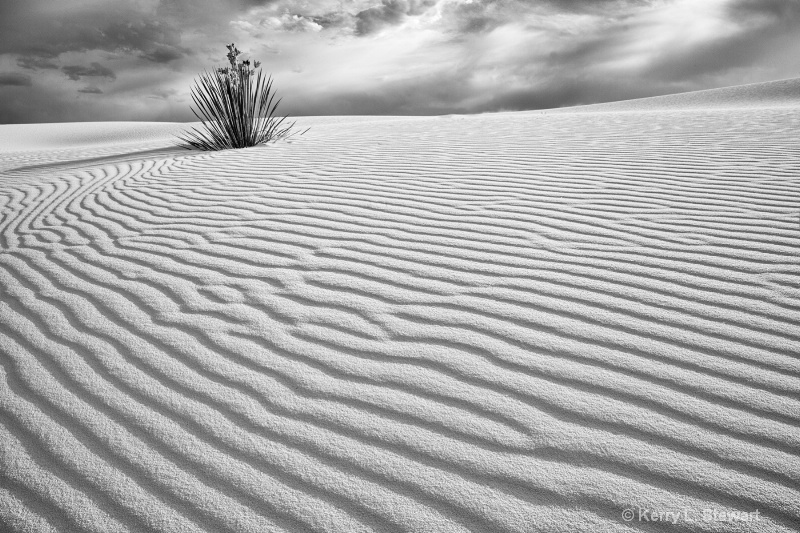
508, 322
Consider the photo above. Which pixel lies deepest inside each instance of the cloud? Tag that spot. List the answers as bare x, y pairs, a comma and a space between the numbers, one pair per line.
35, 63
492, 55
685, 42
41, 31
386, 56
162, 94
298, 23
163, 53
90, 90
331, 19
779, 10
76, 72
389, 12
285, 22
473, 17
15, 79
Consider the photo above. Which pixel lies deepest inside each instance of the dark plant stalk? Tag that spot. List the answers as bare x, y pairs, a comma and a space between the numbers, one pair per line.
237, 108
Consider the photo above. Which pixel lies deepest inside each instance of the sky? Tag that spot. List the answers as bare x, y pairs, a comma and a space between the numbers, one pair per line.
100, 60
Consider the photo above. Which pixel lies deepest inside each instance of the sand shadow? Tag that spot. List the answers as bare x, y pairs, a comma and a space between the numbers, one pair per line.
74, 164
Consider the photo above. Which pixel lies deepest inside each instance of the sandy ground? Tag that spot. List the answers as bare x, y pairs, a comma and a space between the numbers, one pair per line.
574, 320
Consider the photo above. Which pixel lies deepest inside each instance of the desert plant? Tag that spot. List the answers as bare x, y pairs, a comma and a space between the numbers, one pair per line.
236, 107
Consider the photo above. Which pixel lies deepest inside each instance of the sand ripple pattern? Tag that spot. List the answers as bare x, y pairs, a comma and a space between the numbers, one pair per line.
503, 323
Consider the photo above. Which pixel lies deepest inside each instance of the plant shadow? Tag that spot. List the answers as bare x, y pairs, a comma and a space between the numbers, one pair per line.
77, 164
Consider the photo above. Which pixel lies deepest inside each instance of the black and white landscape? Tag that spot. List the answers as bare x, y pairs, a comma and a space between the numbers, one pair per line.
523, 267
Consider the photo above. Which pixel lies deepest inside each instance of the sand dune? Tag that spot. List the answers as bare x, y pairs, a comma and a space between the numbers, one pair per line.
781, 93
508, 322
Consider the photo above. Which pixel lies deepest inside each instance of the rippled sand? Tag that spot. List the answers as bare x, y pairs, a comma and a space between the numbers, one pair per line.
511, 322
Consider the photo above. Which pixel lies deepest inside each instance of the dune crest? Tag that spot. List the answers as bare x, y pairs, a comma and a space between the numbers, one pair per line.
780, 93
502, 323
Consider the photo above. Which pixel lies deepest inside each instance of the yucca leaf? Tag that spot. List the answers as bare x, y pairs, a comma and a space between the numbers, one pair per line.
236, 107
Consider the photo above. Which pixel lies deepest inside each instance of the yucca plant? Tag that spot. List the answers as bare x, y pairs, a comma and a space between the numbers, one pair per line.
236, 106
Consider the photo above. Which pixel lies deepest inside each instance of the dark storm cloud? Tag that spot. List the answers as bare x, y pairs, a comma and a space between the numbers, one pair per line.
474, 17
76, 72
35, 63
777, 9
39, 32
706, 59
384, 56
90, 90
163, 53
387, 13
15, 79
138, 35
